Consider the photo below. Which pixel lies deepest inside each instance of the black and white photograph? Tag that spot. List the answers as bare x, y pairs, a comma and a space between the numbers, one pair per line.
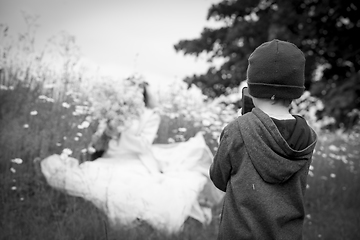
179, 120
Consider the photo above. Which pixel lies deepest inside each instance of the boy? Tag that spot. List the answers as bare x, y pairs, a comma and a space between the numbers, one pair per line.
264, 156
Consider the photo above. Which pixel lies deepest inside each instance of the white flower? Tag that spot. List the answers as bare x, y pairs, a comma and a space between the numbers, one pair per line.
65, 105
334, 148
206, 122
17, 160
65, 153
84, 124
182, 129
91, 150
171, 140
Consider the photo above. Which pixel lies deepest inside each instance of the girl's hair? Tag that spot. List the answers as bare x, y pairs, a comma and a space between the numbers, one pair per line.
145, 93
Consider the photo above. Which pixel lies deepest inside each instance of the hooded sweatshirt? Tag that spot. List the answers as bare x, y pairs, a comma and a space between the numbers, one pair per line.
264, 177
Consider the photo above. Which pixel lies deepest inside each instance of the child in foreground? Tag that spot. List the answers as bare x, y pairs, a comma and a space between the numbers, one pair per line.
264, 156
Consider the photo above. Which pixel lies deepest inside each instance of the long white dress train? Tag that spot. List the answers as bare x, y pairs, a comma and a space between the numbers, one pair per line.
162, 184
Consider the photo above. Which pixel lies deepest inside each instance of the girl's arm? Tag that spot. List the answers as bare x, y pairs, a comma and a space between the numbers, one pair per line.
141, 139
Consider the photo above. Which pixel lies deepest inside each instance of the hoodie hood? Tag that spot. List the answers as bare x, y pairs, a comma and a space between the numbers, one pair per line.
271, 155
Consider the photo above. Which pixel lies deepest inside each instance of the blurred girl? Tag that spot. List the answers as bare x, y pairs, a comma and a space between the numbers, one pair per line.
135, 180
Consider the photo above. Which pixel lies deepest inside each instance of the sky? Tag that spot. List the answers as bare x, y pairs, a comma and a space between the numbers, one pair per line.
122, 37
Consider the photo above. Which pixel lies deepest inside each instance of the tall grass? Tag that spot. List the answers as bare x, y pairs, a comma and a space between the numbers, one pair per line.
30, 209
332, 199
37, 120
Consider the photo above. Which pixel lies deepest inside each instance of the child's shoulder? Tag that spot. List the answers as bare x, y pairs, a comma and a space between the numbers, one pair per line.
244, 118
233, 127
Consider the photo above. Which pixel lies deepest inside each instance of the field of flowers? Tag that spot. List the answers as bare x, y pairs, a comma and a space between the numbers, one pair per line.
35, 126
45, 111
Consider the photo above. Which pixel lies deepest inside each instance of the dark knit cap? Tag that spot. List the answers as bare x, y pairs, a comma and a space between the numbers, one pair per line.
276, 70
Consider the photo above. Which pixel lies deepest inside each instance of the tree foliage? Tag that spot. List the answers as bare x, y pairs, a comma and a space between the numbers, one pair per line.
327, 31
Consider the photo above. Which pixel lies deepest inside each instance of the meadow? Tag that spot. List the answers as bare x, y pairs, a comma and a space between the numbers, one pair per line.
45, 111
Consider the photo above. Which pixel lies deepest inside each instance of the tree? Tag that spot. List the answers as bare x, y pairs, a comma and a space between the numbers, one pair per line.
327, 31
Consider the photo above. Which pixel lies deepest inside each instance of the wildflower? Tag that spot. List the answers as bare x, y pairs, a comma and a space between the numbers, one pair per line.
216, 135
217, 123
49, 86
3, 87
65, 153
343, 158
65, 105
206, 122
26, 126
91, 150
42, 97
13, 170
33, 113
180, 138
13, 188
333, 148
17, 160
45, 98
332, 175
182, 129
173, 115
81, 110
84, 124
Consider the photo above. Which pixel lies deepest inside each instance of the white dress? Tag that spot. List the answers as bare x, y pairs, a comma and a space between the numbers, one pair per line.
135, 180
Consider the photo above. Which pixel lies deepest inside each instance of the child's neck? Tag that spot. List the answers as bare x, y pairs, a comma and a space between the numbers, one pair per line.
274, 110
